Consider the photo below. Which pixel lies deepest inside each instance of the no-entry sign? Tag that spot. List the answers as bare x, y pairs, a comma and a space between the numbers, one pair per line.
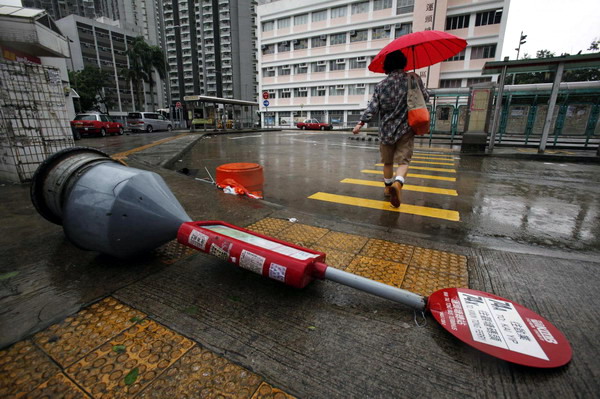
265, 95
500, 327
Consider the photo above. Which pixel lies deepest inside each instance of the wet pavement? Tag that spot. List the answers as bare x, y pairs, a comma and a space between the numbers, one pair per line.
214, 329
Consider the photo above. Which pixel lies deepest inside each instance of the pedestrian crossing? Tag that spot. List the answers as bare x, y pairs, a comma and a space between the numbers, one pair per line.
427, 181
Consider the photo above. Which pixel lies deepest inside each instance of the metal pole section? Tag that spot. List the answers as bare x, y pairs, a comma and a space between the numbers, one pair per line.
496, 120
553, 96
373, 287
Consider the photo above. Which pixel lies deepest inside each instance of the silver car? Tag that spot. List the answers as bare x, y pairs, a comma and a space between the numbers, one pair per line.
148, 122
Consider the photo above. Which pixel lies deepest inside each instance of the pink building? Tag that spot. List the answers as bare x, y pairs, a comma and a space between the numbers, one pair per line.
313, 54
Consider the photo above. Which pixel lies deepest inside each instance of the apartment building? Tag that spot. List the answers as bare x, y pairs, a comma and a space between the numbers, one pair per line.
104, 46
314, 54
211, 48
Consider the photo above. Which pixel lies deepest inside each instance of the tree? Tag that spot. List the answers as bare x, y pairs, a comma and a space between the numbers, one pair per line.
143, 61
89, 83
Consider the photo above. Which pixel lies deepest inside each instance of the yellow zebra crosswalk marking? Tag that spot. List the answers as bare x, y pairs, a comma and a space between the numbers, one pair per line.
409, 187
385, 206
426, 168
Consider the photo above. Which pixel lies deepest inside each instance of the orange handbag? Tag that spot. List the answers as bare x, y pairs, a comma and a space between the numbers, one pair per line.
418, 114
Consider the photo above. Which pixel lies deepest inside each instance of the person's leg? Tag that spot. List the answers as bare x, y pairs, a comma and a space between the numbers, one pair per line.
403, 155
387, 157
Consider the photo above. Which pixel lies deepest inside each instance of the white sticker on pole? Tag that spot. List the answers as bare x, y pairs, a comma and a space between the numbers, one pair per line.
198, 239
252, 262
495, 322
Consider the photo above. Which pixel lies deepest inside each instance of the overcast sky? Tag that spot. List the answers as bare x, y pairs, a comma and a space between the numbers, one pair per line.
560, 26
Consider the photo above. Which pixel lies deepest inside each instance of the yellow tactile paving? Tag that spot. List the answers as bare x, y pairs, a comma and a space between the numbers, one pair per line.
266, 391
59, 386
388, 250
302, 234
343, 242
23, 367
203, 374
335, 258
172, 252
76, 336
269, 226
127, 363
445, 262
425, 282
386, 272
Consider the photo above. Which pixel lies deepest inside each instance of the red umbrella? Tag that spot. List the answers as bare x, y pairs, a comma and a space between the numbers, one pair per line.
421, 49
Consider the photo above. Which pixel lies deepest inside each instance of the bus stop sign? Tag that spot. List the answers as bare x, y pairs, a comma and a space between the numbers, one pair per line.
500, 327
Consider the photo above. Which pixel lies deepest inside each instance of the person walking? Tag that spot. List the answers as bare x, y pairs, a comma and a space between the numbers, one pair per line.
395, 135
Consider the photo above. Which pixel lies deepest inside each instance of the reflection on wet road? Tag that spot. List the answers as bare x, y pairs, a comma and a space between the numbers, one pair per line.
504, 203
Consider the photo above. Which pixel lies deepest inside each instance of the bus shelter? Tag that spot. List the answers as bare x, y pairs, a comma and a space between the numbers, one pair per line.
216, 113
555, 65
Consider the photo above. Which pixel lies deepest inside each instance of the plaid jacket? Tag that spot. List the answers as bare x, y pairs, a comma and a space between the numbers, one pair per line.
389, 99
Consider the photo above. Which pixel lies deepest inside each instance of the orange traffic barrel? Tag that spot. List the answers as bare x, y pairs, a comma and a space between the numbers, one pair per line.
249, 175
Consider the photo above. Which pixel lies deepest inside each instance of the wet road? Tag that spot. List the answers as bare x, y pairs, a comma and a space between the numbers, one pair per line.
518, 205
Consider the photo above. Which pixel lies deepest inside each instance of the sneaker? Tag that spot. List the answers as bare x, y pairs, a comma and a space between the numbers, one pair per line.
386, 191
395, 193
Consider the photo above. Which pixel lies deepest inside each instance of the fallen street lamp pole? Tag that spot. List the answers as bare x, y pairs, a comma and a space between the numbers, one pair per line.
120, 211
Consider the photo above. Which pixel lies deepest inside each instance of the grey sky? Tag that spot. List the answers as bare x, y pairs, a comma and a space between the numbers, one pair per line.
556, 25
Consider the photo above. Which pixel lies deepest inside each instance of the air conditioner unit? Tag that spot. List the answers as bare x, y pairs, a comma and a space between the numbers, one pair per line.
264, 47
388, 27
286, 90
398, 26
321, 63
320, 87
352, 33
296, 41
323, 37
270, 68
302, 89
340, 61
360, 59
285, 67
303, 65
339, 86
360, 85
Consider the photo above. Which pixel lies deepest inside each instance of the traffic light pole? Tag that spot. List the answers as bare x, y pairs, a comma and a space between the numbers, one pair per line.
521, 41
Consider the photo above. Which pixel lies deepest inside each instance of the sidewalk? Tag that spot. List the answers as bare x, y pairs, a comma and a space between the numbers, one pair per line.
192, 324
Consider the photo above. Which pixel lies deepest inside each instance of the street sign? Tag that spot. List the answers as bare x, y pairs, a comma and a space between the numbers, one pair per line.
266, 103
500, 327
178, 104
265, 95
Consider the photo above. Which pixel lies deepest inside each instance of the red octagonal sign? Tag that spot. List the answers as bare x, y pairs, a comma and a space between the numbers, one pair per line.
500, 327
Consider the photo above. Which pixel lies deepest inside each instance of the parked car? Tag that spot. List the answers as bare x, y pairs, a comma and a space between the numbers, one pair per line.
148, 122
94, 124
314, 124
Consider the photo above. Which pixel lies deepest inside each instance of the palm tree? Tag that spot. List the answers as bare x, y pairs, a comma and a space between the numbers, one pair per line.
143, 60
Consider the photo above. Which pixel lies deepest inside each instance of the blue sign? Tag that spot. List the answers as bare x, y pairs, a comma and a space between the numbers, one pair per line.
266, 103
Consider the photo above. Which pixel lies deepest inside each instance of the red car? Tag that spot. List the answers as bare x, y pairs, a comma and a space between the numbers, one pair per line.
96, 124
314, 124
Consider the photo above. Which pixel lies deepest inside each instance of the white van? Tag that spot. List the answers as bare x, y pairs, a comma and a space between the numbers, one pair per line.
148, 122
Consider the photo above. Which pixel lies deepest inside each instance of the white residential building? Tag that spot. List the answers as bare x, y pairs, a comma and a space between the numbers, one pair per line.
313, 54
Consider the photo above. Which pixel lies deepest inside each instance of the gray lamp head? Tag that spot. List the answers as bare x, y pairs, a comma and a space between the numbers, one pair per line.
104, 205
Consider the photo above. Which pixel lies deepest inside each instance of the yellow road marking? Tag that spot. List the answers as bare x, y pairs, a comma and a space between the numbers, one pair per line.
386, 206
439, 158
422, 189
434, 163
426, 168
379, 172
125, 154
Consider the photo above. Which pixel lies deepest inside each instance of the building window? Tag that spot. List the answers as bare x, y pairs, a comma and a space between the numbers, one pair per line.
472, 81
359, 35
337, 65
360, 8
405, 6
403, 29
268, 49
268, 72
300, 44
488, 17
283, 23
318, 16
283, 46
450, 83
300, 92
318, 41
485, 51
318, 91
300, 68
457, 22
283, 70
272, 93
285, 118
301, 19
318, 66
268, 26
458, 57
356, 90
381, 33
337, 90
357, 63
381, 4
285, 93
339, 38
339, 12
